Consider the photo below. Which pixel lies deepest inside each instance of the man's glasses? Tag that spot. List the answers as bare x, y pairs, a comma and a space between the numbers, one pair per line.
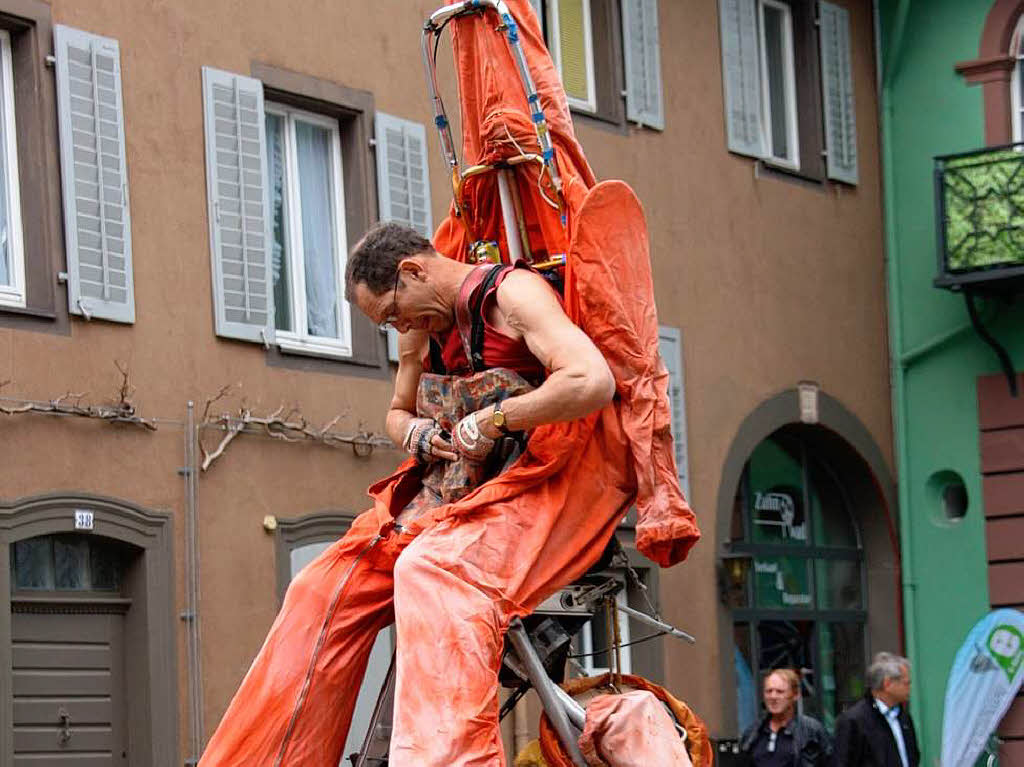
392, 316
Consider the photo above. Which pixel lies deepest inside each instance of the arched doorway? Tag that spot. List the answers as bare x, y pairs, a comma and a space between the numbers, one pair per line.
68, 607
809, 567
89, 626
798, 598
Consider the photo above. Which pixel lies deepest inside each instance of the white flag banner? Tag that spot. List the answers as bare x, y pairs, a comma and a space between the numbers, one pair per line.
983, 683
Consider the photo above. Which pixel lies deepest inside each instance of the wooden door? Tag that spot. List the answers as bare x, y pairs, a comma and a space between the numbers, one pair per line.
68, 670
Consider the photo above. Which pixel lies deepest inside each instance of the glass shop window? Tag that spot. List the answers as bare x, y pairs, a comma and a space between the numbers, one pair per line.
794, 579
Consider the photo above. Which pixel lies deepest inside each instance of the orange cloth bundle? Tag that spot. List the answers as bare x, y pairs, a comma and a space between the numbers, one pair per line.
614, 734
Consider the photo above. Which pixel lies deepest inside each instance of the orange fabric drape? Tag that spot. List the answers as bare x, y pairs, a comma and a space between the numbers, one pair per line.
608, 286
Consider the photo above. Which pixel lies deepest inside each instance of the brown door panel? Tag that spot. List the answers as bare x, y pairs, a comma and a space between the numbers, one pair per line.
68, 686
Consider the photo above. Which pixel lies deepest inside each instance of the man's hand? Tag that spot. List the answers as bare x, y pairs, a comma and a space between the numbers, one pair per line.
469, 441
425, 440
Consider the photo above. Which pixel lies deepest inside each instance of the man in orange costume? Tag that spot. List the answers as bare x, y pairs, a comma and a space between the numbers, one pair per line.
452, 567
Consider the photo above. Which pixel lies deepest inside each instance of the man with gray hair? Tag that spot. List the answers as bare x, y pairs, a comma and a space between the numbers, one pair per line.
877, 731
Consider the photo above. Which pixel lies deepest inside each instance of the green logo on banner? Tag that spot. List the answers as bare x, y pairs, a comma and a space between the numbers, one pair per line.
1005, 645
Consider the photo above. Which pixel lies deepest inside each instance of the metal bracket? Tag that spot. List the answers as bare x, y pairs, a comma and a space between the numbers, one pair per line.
1004, 357
84, 307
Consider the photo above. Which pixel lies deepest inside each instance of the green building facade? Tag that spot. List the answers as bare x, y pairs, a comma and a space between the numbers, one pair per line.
946, 71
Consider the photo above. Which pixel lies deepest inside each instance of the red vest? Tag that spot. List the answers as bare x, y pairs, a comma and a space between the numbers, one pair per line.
499, 351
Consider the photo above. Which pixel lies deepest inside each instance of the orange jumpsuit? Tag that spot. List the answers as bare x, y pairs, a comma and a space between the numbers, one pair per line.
451, 585
454, 578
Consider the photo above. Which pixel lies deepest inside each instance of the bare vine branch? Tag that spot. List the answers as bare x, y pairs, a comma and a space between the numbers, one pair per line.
290, 426
70, 404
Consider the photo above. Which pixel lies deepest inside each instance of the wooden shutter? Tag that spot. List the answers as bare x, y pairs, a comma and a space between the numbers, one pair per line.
670, 346
642, 53
94, 176
403, 184
837, 93
741, 76
236, 186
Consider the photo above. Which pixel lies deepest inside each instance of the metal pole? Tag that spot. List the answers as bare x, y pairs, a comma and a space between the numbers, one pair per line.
508, 217
655, 623
191, 615
546, 690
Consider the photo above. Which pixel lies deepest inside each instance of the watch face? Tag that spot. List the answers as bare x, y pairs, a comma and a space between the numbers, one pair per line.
498, 418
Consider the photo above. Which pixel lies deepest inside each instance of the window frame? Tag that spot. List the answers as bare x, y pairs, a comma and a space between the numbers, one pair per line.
13, 295
353, 110
29, 24
607, 50
1016, 102
296, 340
588, 106
789, 85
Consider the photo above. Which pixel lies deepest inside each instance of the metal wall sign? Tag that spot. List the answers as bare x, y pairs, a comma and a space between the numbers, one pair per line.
983, 682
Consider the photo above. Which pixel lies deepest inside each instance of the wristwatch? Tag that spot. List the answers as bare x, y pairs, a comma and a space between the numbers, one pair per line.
498, 418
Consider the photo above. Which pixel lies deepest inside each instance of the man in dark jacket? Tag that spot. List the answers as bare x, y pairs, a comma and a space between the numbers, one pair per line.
877, 731
784, 738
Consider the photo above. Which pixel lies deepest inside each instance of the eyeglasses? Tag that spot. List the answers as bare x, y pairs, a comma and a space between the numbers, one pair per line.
392, 315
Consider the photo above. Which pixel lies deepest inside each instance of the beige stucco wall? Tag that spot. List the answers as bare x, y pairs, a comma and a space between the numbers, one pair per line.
771, 280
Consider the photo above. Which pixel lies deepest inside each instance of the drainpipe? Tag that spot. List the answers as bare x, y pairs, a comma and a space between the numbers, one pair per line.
898, 361
191, 615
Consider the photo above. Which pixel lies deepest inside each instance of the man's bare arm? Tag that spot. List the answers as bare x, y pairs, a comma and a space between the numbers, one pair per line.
411, 348
579, 381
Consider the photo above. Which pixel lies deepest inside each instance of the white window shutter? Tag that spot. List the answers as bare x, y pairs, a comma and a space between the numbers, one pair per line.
670, 346
642, 54
236, 186
741, 76
837, 87
94, 176
403, 184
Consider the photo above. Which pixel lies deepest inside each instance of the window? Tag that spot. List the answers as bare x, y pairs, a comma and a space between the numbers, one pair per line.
787, 76
570, 40
67, 563
778, 86
308, 242
794, 579
670, 347
604, 50
288, 180
31, 252
12, 257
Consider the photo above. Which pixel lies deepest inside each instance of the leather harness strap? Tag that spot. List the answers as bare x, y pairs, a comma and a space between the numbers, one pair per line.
469, 315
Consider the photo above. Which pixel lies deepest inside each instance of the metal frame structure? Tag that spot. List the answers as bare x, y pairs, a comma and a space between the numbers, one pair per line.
989, 279
1003, 279
512, 215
